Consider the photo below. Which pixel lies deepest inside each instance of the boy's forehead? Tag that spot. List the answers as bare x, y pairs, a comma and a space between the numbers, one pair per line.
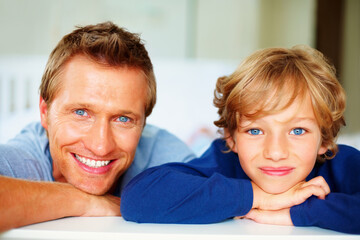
285, 108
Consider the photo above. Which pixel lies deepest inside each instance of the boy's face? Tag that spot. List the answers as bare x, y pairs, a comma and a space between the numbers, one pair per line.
278, 151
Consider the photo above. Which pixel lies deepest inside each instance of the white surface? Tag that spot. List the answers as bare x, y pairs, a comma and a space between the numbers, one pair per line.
117, 228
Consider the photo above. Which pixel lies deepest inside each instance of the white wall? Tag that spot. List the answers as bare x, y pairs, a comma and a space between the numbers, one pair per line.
215, 33
217, 29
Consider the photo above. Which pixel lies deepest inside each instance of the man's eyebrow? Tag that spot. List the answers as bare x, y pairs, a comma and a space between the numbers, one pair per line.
77, 105
95, 108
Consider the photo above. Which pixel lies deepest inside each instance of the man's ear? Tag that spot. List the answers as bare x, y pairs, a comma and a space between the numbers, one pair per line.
230, 141
43, 107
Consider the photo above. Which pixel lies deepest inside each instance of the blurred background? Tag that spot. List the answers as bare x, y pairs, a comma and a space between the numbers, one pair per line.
191, 43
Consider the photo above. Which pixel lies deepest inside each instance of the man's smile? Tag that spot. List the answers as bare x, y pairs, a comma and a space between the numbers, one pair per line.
91, 162
92, 165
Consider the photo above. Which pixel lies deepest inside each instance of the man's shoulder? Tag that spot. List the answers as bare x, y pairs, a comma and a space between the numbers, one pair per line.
32, 137
27, 155
32, 129
154, 138
157, 146
151, 131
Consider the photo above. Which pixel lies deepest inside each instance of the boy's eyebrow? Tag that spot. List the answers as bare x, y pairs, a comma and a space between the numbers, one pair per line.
301, 119
246, 122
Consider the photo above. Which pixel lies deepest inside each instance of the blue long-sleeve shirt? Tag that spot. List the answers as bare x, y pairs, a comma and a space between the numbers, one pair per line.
214, 187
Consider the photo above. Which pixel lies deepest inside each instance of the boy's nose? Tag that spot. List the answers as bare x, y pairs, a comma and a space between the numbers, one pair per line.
100, 139
276, 148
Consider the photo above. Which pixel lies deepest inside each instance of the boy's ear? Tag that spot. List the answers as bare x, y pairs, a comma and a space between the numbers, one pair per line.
43, 107
322, 150
230, 141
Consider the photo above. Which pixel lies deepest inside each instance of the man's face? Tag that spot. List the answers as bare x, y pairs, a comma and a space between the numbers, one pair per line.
279, 150
94, 123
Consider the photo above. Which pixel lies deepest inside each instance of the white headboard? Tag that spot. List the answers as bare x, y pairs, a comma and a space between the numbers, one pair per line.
20, 77
184, 105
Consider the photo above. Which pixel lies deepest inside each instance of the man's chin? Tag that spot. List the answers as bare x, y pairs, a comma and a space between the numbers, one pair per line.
100, 190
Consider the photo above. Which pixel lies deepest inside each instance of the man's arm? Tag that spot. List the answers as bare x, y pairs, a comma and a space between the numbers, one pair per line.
25, 202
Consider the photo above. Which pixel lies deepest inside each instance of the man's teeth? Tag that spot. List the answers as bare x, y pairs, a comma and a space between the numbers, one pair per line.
91, 163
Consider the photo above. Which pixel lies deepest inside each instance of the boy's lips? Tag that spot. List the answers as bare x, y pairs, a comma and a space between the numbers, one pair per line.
95, 166
277, 171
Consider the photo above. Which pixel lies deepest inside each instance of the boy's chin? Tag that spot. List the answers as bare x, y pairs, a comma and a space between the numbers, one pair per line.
275, 189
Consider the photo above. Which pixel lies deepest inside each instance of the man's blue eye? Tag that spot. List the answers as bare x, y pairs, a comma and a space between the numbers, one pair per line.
255, 131
80, 112
297, 131
123, 119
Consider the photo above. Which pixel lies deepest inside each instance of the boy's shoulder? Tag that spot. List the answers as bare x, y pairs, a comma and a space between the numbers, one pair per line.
346, 160
341, 172
346, 157
347, 152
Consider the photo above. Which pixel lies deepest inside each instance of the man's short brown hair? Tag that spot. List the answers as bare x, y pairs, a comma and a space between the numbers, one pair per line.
106, 44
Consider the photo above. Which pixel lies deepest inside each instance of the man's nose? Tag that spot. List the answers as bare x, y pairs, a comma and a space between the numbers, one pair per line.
276, 147
100, 139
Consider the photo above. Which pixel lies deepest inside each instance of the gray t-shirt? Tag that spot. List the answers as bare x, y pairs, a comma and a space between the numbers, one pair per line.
27, 156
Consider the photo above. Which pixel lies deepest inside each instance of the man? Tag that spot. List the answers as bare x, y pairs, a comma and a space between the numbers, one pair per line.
96, 92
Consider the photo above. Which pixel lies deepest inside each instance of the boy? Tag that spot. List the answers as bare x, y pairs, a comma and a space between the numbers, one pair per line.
281, 111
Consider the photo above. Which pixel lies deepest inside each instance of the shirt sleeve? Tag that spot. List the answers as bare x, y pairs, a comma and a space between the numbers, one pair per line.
25, 155
340, 210
201, 191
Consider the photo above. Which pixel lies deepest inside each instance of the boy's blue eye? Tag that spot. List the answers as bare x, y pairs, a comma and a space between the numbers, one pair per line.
255, 131
297, 131
80, 112
124, 119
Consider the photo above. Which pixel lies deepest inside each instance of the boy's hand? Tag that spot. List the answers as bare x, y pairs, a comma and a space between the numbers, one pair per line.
294, 196
276, 217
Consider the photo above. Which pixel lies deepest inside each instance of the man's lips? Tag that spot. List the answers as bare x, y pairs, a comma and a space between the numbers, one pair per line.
92, 165
277, 171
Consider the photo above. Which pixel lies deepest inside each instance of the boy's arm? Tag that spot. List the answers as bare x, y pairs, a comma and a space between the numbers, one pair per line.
188, 193
206, 190
178, 193
339, 212
275, 208
294, 196
340, 209
25, 202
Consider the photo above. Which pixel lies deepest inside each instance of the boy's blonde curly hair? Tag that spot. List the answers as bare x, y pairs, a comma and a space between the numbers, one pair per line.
263, 80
